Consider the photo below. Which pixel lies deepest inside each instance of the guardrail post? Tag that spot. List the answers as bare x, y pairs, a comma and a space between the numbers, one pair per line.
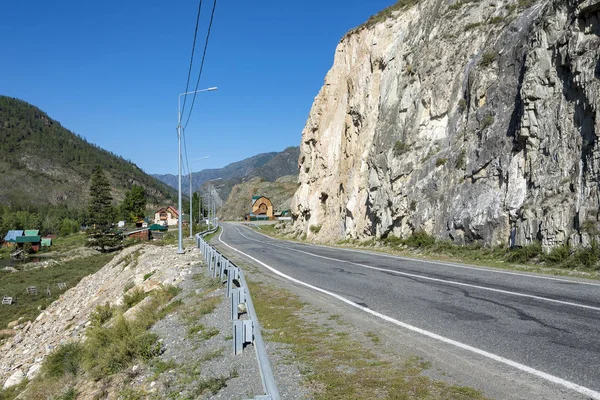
238, 337
235, 301
224, 266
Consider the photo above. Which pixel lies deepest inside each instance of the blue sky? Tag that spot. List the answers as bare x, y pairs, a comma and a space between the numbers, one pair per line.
111, 71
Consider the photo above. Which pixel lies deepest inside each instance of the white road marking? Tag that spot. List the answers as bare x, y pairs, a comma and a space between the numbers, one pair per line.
530, 296
491, 270
540, 374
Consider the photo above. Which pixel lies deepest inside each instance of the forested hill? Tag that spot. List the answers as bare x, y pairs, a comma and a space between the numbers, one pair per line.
41, 162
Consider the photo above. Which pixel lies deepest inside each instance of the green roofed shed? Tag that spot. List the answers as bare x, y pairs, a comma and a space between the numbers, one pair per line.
32, 232
46, 242
29, 239
158, 227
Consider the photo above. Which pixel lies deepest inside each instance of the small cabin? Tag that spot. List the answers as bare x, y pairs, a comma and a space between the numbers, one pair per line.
262, 208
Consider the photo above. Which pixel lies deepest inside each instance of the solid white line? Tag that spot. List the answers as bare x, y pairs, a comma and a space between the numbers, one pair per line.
530, 296
491, 270
540, 374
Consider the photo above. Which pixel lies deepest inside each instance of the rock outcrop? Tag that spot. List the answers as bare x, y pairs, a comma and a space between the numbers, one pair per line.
144, 267
468, 120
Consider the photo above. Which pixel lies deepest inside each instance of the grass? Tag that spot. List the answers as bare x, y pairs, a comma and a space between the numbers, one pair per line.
471, 26
487, 121
337, 365
315, 228
441, 161
400, 148
461, 159
488, 58
208, 237
28, 306
133, 298
384, 14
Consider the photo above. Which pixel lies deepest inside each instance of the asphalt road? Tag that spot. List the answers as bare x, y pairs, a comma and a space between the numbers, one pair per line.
547, 327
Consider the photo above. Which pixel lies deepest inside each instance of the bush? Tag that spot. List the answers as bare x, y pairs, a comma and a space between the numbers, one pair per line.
64, 360
441, 161
525, 253
419, 239
488, 120
133, 298
557, 255
461, 159
101, 314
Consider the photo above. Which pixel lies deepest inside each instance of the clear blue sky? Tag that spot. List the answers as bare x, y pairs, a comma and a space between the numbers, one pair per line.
111, 71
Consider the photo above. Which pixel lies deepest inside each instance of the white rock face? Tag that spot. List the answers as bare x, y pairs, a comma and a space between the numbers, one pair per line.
471, 122
65, 319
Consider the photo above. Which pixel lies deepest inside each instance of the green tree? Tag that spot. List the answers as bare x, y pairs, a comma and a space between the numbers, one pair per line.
196, 207
101, 214
100, 209
134, 204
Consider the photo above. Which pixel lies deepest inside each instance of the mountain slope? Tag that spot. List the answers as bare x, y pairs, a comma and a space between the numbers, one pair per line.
269, 166
42, 162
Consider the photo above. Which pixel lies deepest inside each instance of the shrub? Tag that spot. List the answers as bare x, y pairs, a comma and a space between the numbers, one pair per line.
400, 148
149, 275
525, 253
462, 105
557, 255
101, 314
474, 25
64, 360
419, 239
133, 298
440, 161
461, 159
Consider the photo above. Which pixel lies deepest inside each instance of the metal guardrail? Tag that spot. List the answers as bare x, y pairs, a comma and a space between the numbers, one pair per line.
245, 331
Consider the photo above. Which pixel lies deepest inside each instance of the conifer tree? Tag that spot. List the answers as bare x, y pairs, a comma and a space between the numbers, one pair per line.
101, 214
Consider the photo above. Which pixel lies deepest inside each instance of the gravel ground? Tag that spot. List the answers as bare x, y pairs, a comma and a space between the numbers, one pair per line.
195, 366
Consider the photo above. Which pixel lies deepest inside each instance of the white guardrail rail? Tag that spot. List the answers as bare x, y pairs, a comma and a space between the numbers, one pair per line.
246, 329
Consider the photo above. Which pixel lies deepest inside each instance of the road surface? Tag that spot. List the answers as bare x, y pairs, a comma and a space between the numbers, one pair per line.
543, 327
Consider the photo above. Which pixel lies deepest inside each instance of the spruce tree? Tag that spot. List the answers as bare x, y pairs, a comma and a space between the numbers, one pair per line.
101, 214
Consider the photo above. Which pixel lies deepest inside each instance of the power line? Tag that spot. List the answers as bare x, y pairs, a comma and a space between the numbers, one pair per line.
212, 15
192, 57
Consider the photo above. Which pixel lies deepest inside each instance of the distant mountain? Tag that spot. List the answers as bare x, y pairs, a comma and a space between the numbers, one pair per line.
41, 162
269, 166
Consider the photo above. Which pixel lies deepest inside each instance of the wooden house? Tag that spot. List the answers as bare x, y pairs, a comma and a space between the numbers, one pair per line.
262, 209
10, 239
168, 216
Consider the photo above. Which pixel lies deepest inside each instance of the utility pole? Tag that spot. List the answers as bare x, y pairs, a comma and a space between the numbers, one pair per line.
179, 220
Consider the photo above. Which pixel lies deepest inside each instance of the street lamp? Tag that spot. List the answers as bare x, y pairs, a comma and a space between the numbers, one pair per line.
191, 198
180, 241
212, 203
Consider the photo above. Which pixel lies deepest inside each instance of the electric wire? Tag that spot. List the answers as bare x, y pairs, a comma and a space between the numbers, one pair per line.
192, 56
212, 15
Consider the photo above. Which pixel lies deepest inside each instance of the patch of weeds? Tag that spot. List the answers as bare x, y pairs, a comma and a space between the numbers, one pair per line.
413, 205
419, 239
315, 228
384, 15
228, 337
557, 255
334, 317
496, 20
441, 161
487, 59
487, 121
67, 359
132, 394
471, 26
458, 4
461, 159
209, 237
462, 105
526, 3
400, 148
213, 385
128, 286
373, 336
69, 394
14, 391
525, 253
149, 275
133, 298
211, 355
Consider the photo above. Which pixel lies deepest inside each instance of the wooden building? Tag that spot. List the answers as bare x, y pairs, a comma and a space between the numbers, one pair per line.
262, 209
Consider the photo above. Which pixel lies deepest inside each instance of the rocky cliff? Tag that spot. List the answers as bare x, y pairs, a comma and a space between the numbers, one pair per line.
470, 120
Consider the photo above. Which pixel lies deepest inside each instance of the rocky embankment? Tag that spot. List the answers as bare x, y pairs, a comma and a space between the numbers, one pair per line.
143, 267
467, 120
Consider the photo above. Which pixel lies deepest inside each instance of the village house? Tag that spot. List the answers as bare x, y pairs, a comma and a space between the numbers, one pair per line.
10, 239
168, 216
262, 209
